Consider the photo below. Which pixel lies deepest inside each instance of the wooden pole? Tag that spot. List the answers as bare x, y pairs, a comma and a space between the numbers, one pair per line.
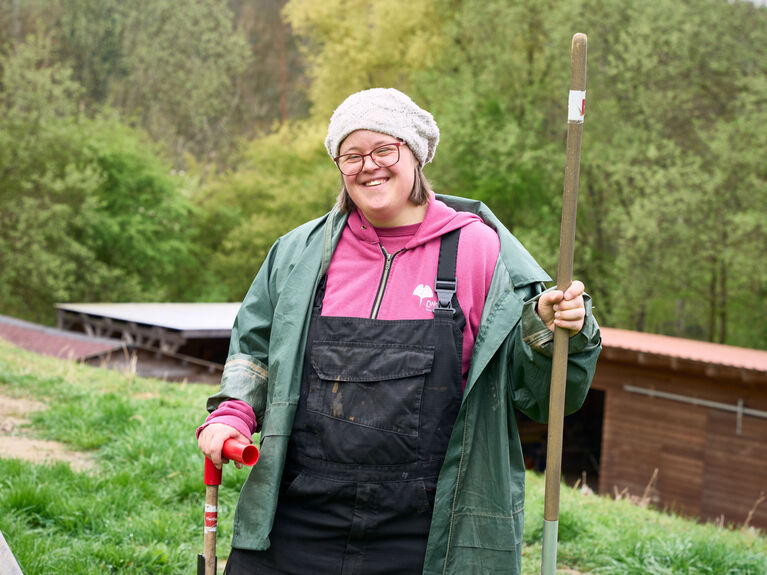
576, 109
211, 520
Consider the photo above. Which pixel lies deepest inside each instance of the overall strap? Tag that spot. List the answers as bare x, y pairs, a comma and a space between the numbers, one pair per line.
319, 295
446, 283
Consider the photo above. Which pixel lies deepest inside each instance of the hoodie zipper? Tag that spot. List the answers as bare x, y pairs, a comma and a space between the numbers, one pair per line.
384, 280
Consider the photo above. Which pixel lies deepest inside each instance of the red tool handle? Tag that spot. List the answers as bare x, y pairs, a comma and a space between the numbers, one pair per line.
245, 453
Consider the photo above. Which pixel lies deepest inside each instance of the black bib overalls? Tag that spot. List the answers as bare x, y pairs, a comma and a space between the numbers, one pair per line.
378, 402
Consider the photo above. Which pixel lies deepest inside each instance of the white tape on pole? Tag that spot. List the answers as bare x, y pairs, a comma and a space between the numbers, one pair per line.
576, 107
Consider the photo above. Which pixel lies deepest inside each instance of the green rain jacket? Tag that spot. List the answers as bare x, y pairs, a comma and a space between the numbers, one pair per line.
478, 511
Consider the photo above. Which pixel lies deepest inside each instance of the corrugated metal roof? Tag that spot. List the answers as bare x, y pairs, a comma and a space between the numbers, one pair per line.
52, 341
686, 349
179, 316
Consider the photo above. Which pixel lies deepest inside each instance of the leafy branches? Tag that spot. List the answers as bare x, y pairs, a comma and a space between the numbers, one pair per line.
88, 211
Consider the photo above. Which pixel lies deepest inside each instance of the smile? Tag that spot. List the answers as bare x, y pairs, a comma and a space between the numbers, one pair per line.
377, 182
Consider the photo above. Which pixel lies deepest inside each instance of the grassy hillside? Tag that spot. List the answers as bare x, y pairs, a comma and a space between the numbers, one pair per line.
139, 509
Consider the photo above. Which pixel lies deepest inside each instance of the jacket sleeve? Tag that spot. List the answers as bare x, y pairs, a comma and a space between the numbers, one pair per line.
246, 372
531, 350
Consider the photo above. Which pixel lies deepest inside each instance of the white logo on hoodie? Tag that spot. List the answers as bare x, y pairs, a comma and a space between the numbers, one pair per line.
423, 291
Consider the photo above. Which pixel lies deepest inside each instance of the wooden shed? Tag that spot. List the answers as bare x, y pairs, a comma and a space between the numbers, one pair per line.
198, 330
109, 352
696, 412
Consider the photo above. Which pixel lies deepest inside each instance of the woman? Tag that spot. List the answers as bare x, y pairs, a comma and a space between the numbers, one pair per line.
381, 351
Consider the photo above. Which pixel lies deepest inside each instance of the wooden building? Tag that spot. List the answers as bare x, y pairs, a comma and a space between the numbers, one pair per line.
141, 359
198, 330
695, 411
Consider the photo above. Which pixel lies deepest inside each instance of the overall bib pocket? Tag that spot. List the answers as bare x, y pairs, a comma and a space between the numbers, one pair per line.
373, 385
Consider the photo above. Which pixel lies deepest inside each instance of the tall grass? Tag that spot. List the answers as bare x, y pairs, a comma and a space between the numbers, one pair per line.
140, 509
601, 535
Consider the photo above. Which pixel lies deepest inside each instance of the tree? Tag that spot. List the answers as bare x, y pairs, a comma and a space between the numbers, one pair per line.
273, 89
284, 179
672, 182
90, 35
352, 45
183, 62
87, 210
496, 92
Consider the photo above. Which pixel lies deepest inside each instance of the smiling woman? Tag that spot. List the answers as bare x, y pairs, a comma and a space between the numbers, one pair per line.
355, 354
381, 186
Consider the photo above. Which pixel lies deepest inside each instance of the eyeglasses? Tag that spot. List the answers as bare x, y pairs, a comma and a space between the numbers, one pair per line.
383, 157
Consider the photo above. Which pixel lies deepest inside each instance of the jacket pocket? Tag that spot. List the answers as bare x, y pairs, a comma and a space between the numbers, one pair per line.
377, 386
486, 543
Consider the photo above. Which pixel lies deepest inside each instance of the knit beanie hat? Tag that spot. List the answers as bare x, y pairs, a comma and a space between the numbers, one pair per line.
387, 111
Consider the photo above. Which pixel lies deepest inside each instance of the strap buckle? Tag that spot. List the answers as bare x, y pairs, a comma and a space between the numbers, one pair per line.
445, 290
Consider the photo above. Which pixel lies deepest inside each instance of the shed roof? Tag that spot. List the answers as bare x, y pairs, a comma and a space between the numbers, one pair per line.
55, 342
685, 350
213, 318
216, 320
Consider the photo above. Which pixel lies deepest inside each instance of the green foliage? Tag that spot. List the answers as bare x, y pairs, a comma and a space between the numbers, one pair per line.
175, 68
673, 198
672, 208
351, 45
672, 180
87, 209
274, 85
284, 180
182, 61
196, 75
496, 93
89, 34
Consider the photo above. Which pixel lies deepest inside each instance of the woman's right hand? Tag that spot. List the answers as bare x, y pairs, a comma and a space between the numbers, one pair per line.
211, 441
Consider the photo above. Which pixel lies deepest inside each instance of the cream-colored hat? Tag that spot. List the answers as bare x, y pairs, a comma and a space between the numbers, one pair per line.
388, 111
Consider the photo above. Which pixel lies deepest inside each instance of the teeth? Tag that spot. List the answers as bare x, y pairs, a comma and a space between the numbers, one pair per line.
374, 182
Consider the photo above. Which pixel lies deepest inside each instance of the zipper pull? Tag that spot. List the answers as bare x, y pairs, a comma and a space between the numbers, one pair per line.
389, 259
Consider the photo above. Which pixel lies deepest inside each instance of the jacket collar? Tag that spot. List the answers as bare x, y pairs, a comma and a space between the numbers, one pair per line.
521, 266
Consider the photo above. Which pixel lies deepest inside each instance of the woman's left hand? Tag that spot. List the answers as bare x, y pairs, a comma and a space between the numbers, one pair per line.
563, 310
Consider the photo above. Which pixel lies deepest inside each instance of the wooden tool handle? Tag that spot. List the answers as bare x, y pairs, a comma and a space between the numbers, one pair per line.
576, 111
211, 525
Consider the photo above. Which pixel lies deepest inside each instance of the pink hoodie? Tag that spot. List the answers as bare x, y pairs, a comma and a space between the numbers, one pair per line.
357, 266
356, 270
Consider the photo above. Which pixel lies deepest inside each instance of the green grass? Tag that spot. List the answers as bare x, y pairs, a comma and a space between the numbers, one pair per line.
140, 510
601, 535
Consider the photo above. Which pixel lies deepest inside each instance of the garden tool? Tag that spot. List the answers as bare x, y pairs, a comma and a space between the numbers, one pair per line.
245, 453
576, 110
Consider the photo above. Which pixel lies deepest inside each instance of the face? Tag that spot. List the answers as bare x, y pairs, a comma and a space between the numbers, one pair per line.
382, 193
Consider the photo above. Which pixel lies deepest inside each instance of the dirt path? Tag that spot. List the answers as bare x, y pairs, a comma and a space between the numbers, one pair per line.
15, 442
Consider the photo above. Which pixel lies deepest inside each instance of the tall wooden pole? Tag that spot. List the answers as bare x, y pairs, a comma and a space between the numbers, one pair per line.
576, 110
211, 523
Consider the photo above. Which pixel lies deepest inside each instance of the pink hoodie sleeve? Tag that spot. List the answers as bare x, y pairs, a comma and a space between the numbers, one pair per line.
234, 413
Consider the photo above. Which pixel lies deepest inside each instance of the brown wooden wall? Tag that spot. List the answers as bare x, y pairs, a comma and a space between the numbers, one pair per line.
704, 467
